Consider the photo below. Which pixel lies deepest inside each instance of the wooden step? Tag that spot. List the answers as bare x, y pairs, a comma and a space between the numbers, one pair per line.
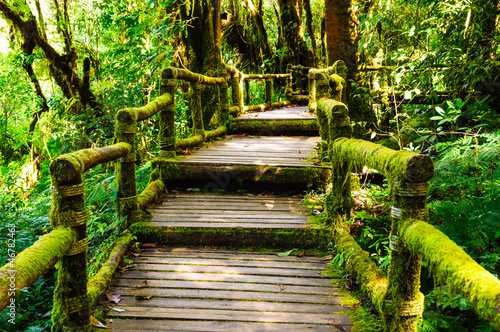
208, 290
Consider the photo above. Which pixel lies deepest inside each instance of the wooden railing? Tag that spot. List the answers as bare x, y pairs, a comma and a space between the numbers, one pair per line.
67, 243
397, 296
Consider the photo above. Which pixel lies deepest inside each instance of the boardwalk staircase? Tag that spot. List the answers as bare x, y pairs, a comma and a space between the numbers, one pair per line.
224, 241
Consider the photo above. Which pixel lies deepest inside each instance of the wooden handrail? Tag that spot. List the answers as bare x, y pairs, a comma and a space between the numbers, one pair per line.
68, 166
189, 76
145, 112
33, 262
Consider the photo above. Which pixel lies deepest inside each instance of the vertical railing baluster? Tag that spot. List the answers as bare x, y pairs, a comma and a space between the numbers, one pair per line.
247, 91
197, 111
237, 90
404, 301
167, 117
224, 101
126, 200
70, 311
269, 91
321, 88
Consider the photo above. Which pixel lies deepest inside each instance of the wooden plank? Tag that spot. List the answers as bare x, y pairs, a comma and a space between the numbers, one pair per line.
158, 223
232, 305
228, 270
228, 295
234, 207
278, 288
233, 219
222, 255
249, 162
227, 278
198, 195
139, 325
224, 315
168, 210
228, 262
222, 202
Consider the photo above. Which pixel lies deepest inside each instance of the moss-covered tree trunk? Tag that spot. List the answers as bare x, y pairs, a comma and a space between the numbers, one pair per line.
203, 44
342, 44
261, 31
298, 53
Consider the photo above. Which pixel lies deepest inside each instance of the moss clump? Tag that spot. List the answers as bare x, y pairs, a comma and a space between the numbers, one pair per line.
394, 164
35, 261
373, 280
451, 265
152, 190
100, 281
276, 238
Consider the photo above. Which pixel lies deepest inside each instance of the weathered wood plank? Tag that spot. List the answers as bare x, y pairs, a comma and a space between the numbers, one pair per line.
226, 277
139, 325
232, 305
166, 223
228, 262
228, 295
242, 256
278, 288
229, 219
267, 207
235, 315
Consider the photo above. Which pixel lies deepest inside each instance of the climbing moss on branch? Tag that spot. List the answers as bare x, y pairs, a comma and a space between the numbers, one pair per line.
34, 261
451, 265
68, 166
394, 164
151, 191
100, 281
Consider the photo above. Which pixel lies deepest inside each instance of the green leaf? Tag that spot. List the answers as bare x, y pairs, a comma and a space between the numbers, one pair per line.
127, 260
284, 254
440, 110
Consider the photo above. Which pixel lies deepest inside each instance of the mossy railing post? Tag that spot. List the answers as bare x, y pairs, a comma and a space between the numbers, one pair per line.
404, 301
126, 200
224, 101
237, 90
321, 88
269, 91
70, 311
289, 81
197, 111
167, 116
247, 91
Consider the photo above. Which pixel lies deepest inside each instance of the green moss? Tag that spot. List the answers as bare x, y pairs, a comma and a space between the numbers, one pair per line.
276, 238
35, 261
451, 265
358, 262
100, 281
151, 191
394, 164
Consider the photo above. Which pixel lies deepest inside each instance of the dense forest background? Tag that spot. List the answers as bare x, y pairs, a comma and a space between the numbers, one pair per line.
423, 76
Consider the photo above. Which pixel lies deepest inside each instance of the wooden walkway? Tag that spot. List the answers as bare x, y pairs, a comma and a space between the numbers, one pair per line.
179, 289
206, 290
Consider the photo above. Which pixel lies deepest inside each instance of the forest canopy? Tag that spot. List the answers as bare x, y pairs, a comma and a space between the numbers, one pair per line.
423, 75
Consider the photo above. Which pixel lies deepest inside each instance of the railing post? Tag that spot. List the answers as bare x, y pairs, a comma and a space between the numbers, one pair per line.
167, 117
71, 306
289, 81
247, 91
237, 90
126, 200
312, 91
269, 91
404, 301
224, 101
321, 88
197, 112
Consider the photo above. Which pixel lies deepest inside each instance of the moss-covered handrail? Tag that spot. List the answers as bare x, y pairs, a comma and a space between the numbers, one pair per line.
451, 265
68, 166
394, 164
265, 76
189, 76
32, 263
145, 112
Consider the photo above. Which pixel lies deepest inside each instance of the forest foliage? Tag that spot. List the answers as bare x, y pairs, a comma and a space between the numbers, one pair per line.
435, 90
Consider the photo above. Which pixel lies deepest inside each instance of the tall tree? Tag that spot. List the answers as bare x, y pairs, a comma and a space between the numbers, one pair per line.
297, 50
62, 66
203, 45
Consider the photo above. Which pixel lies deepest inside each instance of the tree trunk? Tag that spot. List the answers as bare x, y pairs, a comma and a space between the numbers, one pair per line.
204, 50
298, 52
310, 31
259, 25
61, 66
